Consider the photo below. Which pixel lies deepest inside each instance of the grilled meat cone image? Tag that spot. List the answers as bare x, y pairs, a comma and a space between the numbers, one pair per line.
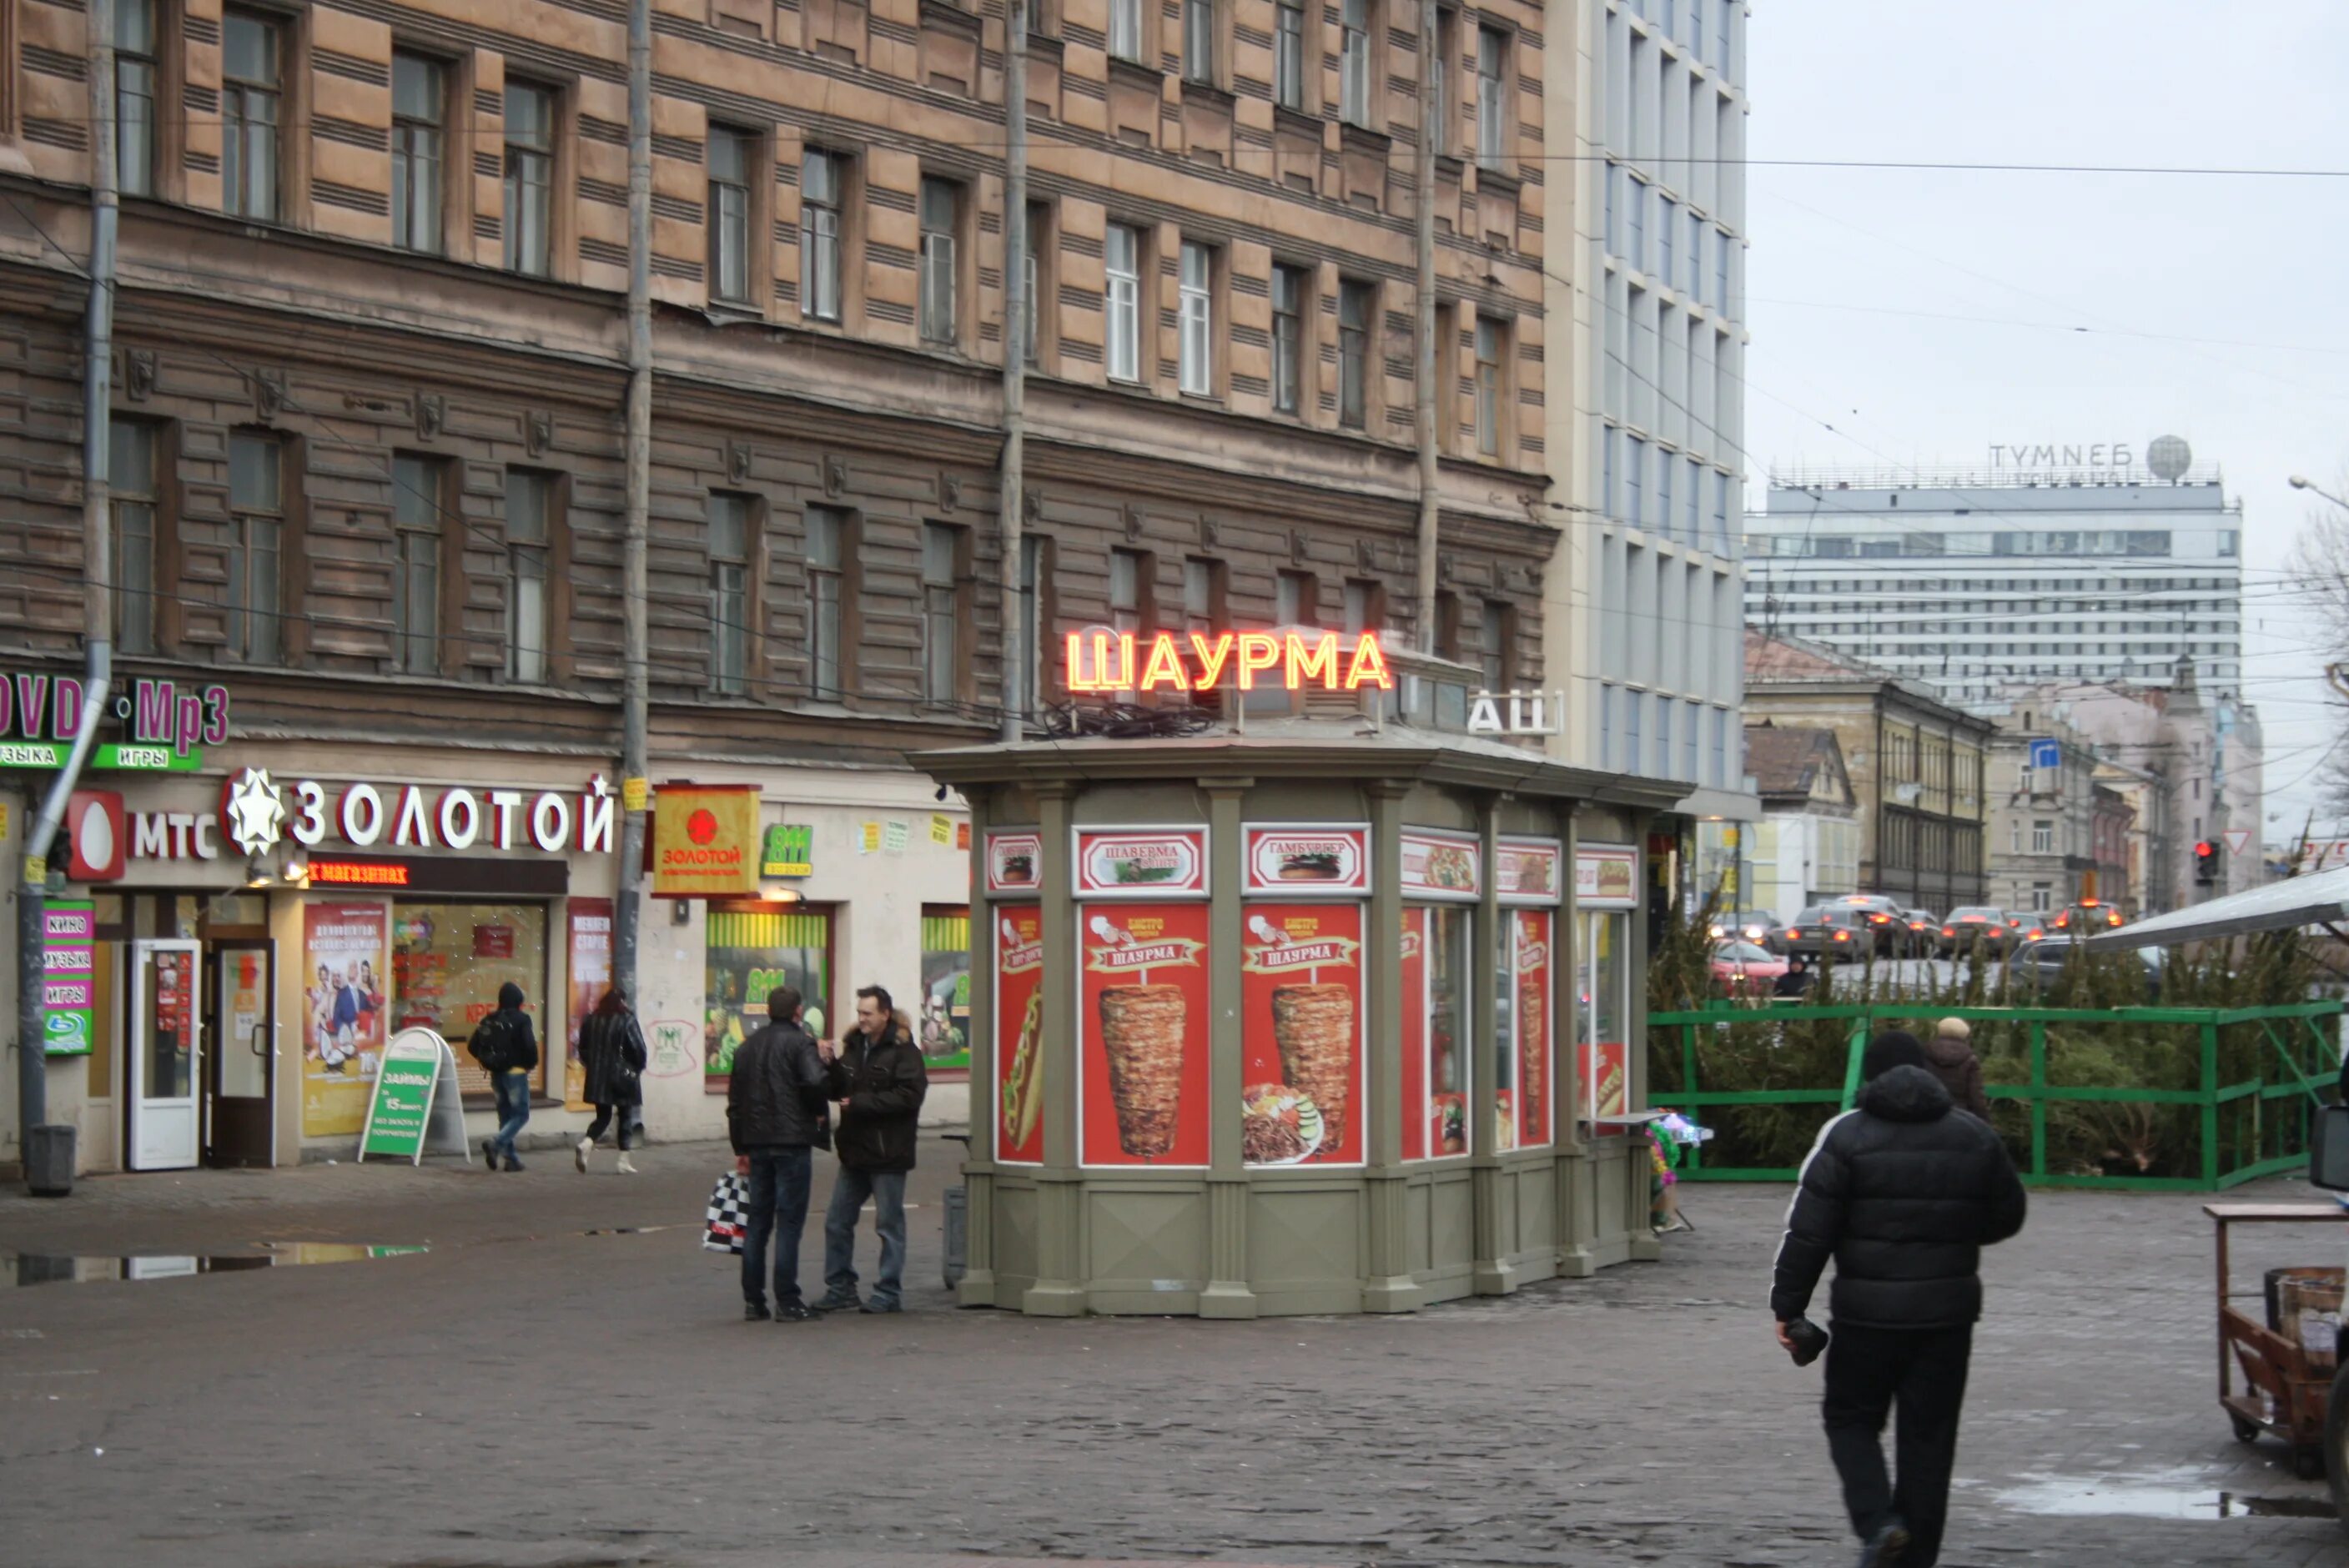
1314, 1027
1142, 1031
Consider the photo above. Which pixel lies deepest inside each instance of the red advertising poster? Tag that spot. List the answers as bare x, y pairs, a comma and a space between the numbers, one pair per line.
1537, 1011
1606, 1063
1020, 1035
1142, 1032
1301, 1035
1528, 871
590, 975
1307, 862
1441, 865
1142, 862
1414, 1034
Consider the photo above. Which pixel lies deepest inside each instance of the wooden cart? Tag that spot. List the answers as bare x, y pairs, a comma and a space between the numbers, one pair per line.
2282, 1392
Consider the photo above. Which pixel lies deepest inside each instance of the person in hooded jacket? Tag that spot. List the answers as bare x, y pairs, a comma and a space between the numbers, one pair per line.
1903, 1193
1950, 1056
506, 1044
612, 1060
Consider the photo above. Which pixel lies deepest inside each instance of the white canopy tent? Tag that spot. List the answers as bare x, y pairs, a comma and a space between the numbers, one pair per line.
2315, 900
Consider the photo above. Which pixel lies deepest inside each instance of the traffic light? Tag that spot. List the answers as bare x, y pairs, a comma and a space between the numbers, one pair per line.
2206, 861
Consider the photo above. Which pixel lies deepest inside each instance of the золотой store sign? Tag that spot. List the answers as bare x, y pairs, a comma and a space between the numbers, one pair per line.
705, 840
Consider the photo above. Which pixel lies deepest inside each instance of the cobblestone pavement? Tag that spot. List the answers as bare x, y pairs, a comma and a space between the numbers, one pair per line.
528, 1393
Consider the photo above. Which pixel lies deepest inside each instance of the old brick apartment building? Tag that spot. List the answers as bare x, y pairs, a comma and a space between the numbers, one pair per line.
369, 454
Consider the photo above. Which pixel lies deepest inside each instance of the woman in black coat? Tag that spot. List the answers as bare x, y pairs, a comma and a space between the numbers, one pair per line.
612, 1060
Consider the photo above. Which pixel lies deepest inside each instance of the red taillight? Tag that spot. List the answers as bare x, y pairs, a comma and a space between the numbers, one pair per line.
1948, 930
1843, 937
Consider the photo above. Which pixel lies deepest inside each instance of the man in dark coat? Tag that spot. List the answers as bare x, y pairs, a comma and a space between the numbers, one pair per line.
775, 1114
880, 1080
1903, 1193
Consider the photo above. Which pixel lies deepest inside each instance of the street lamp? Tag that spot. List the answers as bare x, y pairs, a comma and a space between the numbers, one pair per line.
2302, 481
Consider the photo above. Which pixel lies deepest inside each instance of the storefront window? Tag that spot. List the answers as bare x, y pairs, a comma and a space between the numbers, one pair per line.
448, 961
1604, 1064
1505, 1034
945, 986
1449, 989
751, 949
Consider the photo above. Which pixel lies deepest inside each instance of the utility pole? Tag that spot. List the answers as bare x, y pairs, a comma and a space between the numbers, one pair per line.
48, 1152
1430, 504
636, 693
1012, 498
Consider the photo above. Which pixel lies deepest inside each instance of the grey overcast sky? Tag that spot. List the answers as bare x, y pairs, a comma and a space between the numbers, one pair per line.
1926, 315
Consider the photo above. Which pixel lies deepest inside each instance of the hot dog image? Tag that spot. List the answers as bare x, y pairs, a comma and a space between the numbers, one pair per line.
1023, 1099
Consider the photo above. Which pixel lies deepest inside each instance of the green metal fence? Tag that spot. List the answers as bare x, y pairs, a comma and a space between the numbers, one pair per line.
2196, 1099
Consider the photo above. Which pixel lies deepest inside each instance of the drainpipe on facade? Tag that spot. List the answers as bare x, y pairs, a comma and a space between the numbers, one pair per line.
635, 689
1010, 501
47, 1152
1430, 509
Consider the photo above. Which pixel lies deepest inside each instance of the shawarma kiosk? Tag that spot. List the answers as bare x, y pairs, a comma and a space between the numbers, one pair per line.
1309, 1011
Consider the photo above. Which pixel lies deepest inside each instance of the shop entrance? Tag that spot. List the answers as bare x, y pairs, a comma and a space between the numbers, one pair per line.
165, 1128
240, 1067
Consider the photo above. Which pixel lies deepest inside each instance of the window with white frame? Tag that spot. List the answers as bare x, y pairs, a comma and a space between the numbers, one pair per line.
137, 78
1492, 96
530, 503
1288, 55
732, 155
1356, 304
821, 177
941, 206
256, 534
529, 177
1197, 366
1199, 40
251, 93
1122, 265
942, 640
1292, 295
733, 538
418, 533
1354, 64
1125, 29
131, 502
826, 602
418, 110
2042, 838
1492, 337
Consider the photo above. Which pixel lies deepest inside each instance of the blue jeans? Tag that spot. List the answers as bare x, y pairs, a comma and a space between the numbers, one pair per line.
887, 1190
512, 1091
780, 1180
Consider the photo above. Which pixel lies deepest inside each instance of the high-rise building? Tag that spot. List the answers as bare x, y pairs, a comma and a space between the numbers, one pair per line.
1646, 439
2015, 575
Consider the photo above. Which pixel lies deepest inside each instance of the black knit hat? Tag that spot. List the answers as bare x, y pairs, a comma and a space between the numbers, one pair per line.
1893, 1048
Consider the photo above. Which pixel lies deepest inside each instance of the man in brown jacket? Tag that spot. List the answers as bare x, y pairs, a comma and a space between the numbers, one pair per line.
1950, 1056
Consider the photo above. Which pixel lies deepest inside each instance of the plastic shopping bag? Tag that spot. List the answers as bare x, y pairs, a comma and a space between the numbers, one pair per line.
729, 1212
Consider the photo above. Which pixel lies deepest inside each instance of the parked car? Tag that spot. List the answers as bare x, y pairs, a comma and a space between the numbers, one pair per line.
2041, 963
2090, 916
1745, 969
1924, 928
1758, 926
2026, 925
1976, 924
1828, 929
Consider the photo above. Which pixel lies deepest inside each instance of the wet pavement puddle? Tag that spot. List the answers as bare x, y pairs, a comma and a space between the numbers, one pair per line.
2170, 1494
27, 1269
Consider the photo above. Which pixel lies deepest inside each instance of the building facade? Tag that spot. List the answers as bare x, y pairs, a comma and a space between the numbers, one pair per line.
1914, 763
2044, 836
1806, 847
369, 476
1646, 440
1976, 582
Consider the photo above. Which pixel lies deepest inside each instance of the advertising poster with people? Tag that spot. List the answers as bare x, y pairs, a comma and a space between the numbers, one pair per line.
590, 921
1536, 1021
344, 967
945, 1024
1301, 1035
1142, 1028
1020, 1035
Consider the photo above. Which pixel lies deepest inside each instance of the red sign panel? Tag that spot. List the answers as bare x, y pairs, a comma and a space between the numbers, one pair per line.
1142, 1034
1535, 963
1019, 1036
1142, 862
1301, 1035
1307, 862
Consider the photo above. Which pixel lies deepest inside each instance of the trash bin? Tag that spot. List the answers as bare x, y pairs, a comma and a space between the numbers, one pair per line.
957, 1233
49, 1160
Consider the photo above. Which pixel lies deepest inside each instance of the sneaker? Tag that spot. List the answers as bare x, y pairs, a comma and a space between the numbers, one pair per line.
1888, 1547
512, 1163
755, 1311
579, 1154
796, 1312
840, 1304
626, 1166
489, 1152
876, 1306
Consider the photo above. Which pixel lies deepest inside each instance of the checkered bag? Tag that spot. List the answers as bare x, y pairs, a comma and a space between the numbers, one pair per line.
729, 1214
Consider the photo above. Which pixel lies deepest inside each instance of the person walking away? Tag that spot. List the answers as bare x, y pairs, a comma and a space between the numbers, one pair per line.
1950, 1055
1903, 1194
775, 1113
506, 1046
611, 1066
879, 1078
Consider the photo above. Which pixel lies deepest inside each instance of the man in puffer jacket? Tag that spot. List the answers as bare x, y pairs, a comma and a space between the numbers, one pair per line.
1903, 1193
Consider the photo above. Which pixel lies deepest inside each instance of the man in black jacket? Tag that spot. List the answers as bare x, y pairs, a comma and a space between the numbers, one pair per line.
880, 1080
1903, 1194
774, 1114
506, 1047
